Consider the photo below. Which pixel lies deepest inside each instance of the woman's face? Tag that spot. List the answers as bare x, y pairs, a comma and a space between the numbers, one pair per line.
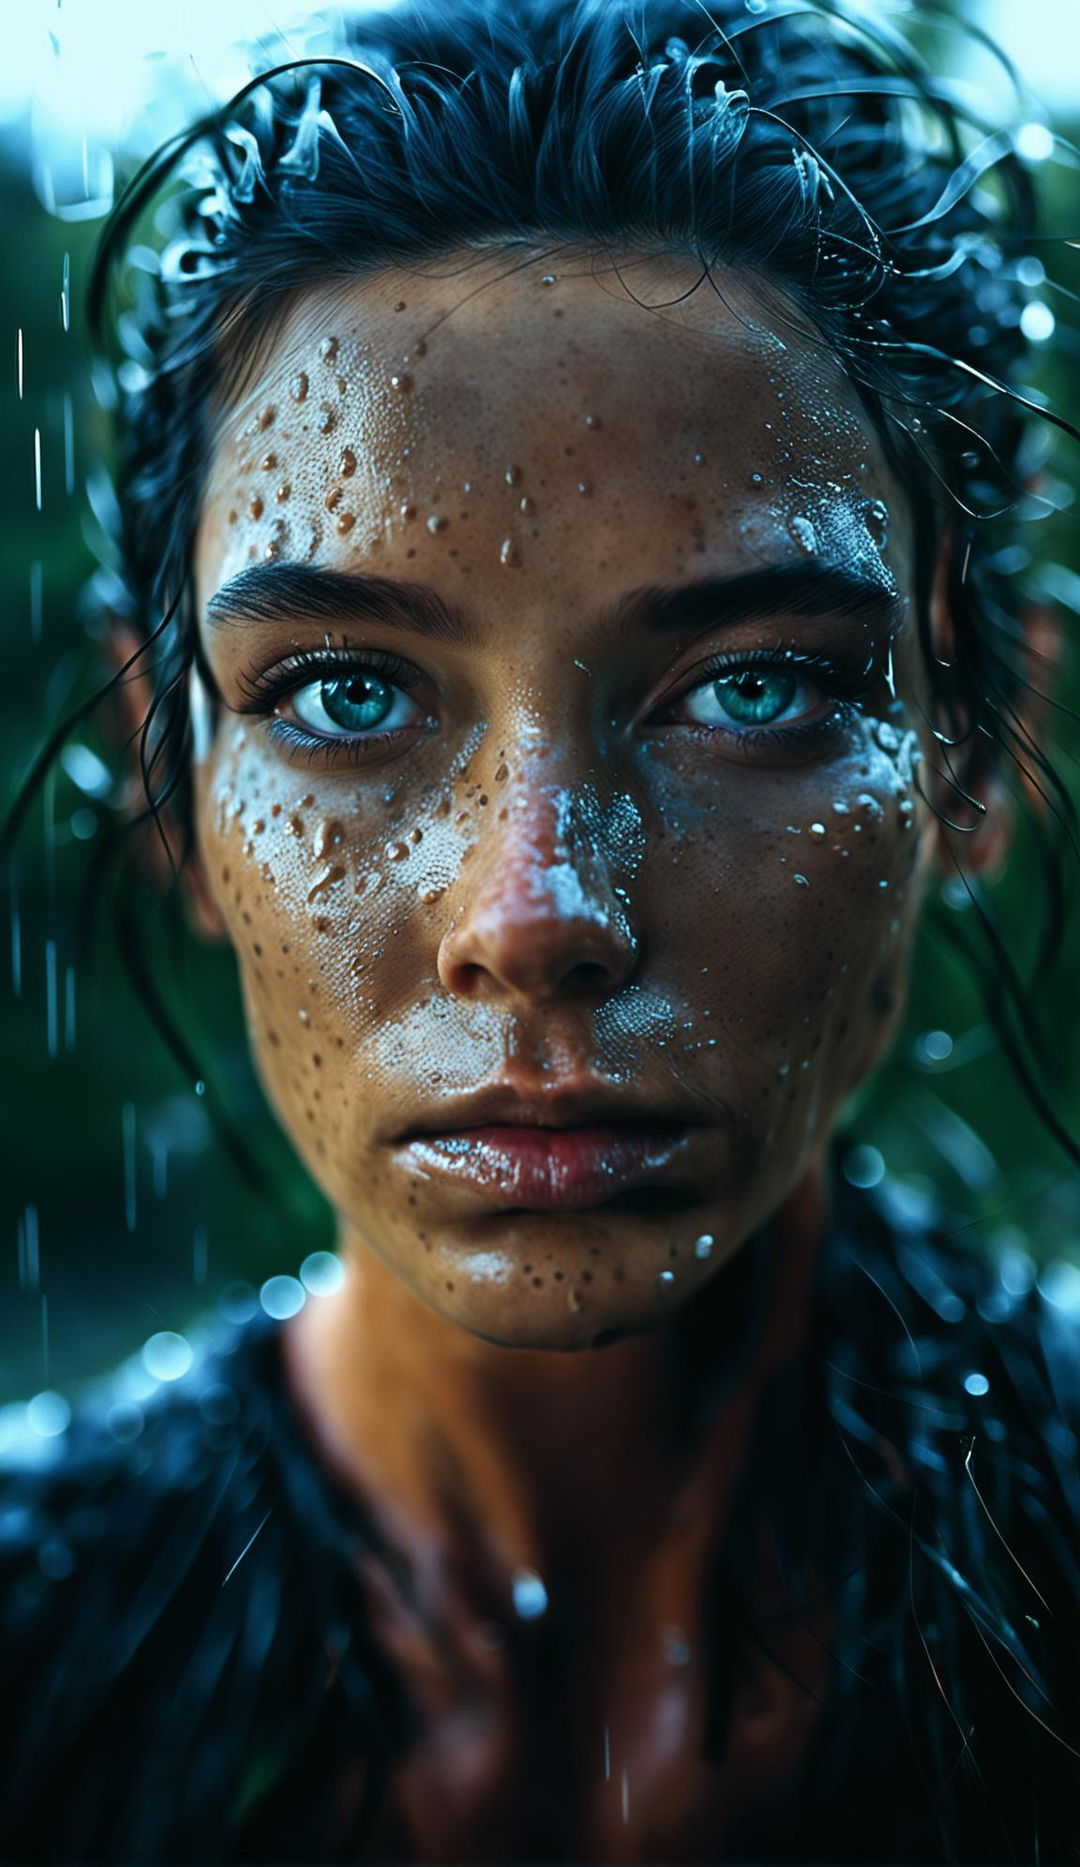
601, 800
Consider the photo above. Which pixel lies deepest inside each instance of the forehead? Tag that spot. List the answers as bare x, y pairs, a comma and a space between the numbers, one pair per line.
633, 384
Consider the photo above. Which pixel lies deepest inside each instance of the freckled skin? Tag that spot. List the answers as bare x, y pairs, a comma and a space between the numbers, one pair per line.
557, 868
709, 947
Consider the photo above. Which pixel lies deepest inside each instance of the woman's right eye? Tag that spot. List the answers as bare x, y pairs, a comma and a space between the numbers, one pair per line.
350, 706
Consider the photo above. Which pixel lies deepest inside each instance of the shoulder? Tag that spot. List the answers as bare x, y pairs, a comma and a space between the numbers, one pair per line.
140, 1551
954, 1392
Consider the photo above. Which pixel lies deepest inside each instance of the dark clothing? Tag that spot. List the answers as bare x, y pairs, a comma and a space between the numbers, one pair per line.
185, 1674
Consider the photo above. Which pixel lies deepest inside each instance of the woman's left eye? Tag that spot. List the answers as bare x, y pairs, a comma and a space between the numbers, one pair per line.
752, 697
349, 706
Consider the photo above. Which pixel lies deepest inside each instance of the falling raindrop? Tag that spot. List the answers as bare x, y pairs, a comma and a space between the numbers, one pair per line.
51, 997
69, 445
530, 1595
37, 468
19, 362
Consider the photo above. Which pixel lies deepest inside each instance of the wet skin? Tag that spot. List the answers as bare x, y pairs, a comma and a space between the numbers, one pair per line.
564, 865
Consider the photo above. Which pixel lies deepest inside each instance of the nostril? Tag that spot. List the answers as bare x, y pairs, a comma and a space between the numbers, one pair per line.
587, 976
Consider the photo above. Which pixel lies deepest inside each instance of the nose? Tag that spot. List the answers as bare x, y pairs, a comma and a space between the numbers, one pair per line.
541, 913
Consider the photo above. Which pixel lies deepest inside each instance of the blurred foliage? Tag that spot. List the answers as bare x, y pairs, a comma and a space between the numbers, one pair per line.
124, 1214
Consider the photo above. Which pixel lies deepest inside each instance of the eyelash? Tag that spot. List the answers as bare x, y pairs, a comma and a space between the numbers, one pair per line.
265, 690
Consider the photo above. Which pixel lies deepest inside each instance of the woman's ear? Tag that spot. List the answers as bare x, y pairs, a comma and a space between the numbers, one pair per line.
159, 840
967, 788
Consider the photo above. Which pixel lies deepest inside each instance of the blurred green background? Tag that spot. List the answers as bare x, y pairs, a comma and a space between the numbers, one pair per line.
122, 1213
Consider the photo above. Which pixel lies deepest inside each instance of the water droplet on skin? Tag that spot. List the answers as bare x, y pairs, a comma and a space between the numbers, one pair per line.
348, 463
346, 522
333, 498
584, 488
875, 516
276, 540
232, 516
817, 829
526, 505
282, 493
502, 774
548, 279
255, 507
416, 835
429, 895
402, 382
334, 872
304, 1016
408, 512
268, 462
512, 475
666, 1279
327, 419
295, 826
509, 553
802, 881
436, 523
803, 533
298, 387
329, 348
756, 479
395, 852
592, 421
267, 416
703, 1245
573, 1301
327, 837
699, 460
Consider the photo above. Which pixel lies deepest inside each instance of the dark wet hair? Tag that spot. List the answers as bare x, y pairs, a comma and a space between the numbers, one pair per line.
813, 151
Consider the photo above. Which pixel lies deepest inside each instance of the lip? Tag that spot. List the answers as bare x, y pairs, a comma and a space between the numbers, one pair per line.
566, 1150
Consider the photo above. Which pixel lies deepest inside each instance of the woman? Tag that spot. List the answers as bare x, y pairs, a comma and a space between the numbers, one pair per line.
563, 654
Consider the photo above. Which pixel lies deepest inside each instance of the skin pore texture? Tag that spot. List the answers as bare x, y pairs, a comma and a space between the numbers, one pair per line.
560, 866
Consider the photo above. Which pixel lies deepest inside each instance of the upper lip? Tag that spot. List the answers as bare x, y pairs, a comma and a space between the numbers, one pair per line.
565, 1105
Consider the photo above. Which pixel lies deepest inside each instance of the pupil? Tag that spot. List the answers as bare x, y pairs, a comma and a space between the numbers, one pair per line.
358, 703
755, 698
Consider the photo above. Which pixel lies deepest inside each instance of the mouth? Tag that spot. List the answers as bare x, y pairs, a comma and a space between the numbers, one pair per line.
613, 1165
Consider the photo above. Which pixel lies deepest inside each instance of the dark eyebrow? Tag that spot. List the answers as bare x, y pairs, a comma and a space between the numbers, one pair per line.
283, 592
811, 589
302, 593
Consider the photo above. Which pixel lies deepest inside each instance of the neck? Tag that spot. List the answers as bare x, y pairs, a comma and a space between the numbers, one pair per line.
536, 1460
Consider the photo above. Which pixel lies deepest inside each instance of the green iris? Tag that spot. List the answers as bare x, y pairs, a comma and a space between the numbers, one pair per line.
754, 697
357, 704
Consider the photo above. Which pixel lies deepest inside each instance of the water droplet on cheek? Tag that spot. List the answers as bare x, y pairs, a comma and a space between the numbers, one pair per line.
802, 532
509, 555
298, 387
348, 463
327, 837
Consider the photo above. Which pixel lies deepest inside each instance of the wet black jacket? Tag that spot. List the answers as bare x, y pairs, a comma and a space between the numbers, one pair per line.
185, 1675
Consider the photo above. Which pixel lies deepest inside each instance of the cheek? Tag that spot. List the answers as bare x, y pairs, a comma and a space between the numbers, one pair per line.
328, 905
786, 901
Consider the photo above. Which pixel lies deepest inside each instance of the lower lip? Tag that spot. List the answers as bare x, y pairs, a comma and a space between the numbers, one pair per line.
547, 1169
